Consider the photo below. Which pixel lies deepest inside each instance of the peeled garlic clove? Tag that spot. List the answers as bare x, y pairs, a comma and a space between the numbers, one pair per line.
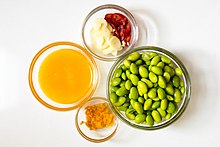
115, 43
100, 23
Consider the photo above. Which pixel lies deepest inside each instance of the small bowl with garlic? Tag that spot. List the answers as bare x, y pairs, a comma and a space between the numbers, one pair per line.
109, 31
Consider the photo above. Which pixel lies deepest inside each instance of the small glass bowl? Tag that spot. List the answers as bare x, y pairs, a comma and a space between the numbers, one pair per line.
185, 98
99, 135
34, 69
100, 12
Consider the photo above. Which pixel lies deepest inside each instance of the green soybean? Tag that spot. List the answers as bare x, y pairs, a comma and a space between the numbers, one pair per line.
121, 101
153, 77
149, 120
118, 73
177, 95
155, 60
139, 62
182, 89
147, 104
116, 81
123, 67
178, 71
113, 88
127, 63
133, 68
124, 107
145, 96
157, 70
132, 101
142, 88
165, 59
155, 105
176, 81
141, 100
161, 64
171, 107
166, 75
128, 73
145, 56
129, 113
161, 93
152, 54
134, 56
152, 93
163, 104
143, 72
162, 112
113, 97
122, 84
128, 84
148, 62
138, 107
122, 91
170, 98
162, 82
123, 76
148, 82
156, 99
169, 69
156, 116
133, 93
169, 89
168, 116
140, 118
134, 79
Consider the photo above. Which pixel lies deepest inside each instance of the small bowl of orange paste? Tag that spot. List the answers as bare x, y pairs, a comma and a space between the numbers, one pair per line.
95, 121
63, 76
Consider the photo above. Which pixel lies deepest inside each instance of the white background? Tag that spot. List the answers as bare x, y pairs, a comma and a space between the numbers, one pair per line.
188, 28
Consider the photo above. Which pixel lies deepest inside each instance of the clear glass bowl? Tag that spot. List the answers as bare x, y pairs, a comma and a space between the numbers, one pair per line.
99, 135
34, 82
185, 98
100, 12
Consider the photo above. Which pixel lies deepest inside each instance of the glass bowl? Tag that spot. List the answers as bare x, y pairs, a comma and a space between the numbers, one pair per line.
100, 12
34, 79
185, 98
98, 135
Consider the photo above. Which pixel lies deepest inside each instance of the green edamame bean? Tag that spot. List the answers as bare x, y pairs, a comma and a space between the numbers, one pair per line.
172, 66
143, 72
134, 56
132, 101
155, 105
118, 73
145, 96
124, 107
142, 88
128, 73
138, 107
156, 116
157, 70
166, 76
162, 112
155, 60
165, 59
170, 98
152, 93
171, 107
178, 71
134, 79
162, 82
139, 62
121, 101
177, 95
122, 84
147, 104
149, 120
148, 62
113, 88
113, 97
127, 63
148, 82
129, 113
152, 54
156, 99
168, 116
169, 70
128, 84
141, 100
153, 77
161, 93
133, 68
146, 57
123, 76
123, 67
140, 118
163, 104
169, 89
116, 81
161, 64
181, 83
148, 112
122, 91
133, 93
176, 81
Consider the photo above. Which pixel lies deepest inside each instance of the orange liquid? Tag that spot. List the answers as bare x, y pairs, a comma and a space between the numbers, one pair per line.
65, 76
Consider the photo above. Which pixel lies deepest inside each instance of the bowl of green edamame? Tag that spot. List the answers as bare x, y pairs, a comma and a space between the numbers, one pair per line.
148, 88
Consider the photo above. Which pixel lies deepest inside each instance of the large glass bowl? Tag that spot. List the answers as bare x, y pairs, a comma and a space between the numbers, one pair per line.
34, 79
185, 98
100, 12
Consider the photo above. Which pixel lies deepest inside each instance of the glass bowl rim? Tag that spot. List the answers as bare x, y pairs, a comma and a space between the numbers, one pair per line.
92, 139
48, 47
116, 7
188, 90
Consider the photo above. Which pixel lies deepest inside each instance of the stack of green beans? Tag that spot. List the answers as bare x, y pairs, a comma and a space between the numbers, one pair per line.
147, 87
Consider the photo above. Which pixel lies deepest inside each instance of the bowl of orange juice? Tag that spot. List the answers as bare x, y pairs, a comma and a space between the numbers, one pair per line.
63, 76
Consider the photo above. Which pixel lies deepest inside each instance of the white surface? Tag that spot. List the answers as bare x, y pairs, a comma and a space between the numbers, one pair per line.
189, 29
